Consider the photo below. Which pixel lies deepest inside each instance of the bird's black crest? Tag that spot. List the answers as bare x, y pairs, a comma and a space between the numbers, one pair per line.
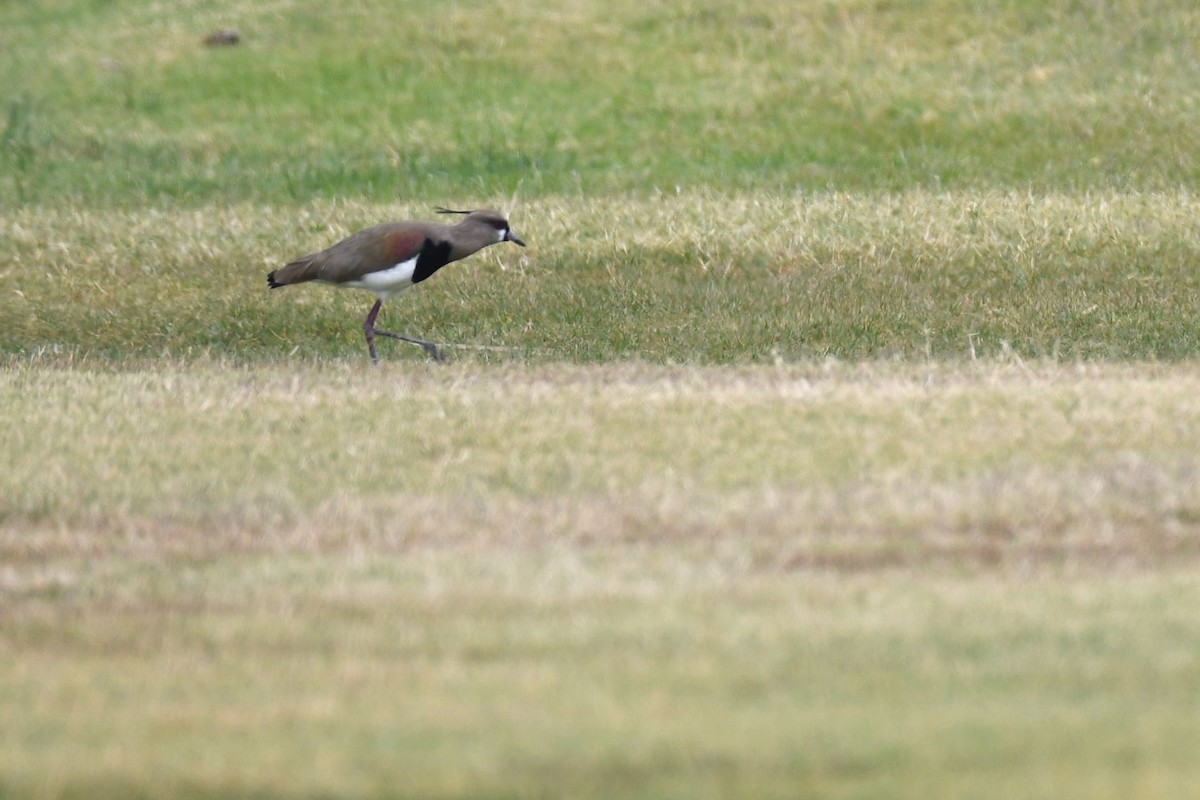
441, 210
433, 256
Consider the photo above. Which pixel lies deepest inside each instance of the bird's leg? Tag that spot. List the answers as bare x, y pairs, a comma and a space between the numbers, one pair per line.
431, 348
370, 331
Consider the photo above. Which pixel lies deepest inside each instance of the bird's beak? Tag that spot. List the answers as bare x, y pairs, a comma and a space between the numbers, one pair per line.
512, 237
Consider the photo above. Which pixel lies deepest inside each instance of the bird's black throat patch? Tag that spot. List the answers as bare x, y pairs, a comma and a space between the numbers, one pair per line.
433, 256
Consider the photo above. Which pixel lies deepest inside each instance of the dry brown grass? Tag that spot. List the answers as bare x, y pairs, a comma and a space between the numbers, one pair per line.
327, 580
828, 465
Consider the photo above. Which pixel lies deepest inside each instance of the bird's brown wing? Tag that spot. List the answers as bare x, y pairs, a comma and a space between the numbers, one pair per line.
369, 250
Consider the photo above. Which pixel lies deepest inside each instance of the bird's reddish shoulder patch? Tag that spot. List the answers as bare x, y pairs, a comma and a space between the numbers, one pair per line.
403, 245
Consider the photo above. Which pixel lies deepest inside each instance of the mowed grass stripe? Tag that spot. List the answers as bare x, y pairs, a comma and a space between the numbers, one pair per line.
124, 105
853, 467
696, 277
468, 677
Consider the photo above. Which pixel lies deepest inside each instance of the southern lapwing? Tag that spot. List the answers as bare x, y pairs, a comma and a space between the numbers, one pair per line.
389, 258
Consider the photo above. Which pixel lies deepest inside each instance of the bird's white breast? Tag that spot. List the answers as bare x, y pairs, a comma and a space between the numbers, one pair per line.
387, 282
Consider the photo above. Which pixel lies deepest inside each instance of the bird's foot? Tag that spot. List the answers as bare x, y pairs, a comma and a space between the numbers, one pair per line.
436, 353
432, 349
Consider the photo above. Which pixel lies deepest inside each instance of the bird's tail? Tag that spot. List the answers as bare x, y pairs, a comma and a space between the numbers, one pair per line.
295, 272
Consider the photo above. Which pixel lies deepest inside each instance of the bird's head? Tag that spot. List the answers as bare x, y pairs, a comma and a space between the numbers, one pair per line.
487, 220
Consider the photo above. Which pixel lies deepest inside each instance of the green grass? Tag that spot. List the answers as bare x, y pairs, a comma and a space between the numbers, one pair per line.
699, 182
834, 436
381, 100
689, 278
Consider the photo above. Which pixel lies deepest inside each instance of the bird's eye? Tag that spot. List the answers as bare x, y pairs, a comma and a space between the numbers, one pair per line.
499, 224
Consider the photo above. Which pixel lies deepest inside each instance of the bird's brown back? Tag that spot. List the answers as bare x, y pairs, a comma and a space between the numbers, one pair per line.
384, 246
369, 250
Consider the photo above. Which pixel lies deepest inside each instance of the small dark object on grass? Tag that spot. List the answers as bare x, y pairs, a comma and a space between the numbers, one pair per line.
224, 37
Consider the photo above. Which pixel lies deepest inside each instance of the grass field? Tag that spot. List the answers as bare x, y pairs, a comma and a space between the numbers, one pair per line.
687, 279
646, 581
119, 104
834, 436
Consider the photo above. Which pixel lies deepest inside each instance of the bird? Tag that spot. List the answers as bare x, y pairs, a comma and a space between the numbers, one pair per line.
389, 258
